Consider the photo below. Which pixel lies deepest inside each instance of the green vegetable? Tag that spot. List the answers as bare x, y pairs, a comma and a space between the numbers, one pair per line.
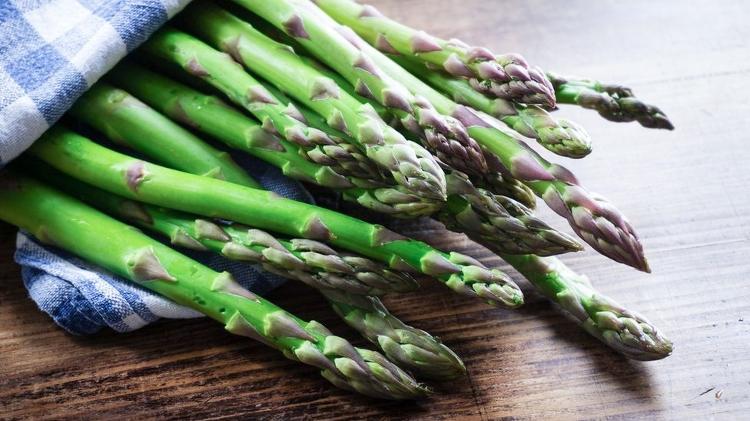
220, 71
443, 135
126, 120
489, 218
59, 220
409, 164
410, 348
613, 102
119, 174
212, 116
625, 331
562, 137
591, 216
503, 76
311, 262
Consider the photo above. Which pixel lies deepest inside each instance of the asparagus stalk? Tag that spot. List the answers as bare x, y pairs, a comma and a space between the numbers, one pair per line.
500, 222
562, 137
443, 135
308, 261
344, 280
411, 348
66, 223
80, 158
212, 116
409, 164
486, 217
613, 102
503, 76
221, 72
625, 331
126, 120
591, 216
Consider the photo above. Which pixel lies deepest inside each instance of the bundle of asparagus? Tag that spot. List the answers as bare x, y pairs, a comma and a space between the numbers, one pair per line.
334, 94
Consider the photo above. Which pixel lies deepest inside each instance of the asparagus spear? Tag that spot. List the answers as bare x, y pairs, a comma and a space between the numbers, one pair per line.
486, 217
613, 102
80, 158
344, 280
211, 115
591, 216
624, 330
506, 225
442, 135
66, 223
309, 261
220, 71
125, 119
562, 137
411, 348
409, 164
505, 76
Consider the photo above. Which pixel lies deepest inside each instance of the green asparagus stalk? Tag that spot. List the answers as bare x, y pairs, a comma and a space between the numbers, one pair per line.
591, 216
220, 71
488, 218
409, 164
212, 116
562, 137
339, 276
624, 330
442, 135
500, 222
126, 120
503, 76
66, 223
86, 161
308, 261
392, 200
613, 102
410, 348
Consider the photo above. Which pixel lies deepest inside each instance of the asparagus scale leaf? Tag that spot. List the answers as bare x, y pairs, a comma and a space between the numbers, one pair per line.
86, 161
59, 220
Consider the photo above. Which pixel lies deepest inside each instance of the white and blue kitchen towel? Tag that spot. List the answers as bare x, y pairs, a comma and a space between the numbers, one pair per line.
51, 51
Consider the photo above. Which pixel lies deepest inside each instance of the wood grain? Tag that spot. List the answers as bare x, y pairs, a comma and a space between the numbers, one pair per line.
686, 192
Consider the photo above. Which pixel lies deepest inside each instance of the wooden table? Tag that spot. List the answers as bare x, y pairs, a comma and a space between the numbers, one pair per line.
686, 191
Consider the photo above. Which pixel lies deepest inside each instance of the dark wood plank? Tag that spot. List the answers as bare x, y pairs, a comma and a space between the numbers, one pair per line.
686, 191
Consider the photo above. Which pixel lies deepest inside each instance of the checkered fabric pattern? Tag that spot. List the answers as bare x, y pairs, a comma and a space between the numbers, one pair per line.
51, 51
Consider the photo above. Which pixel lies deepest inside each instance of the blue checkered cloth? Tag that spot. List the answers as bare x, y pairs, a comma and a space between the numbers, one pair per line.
51, 51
